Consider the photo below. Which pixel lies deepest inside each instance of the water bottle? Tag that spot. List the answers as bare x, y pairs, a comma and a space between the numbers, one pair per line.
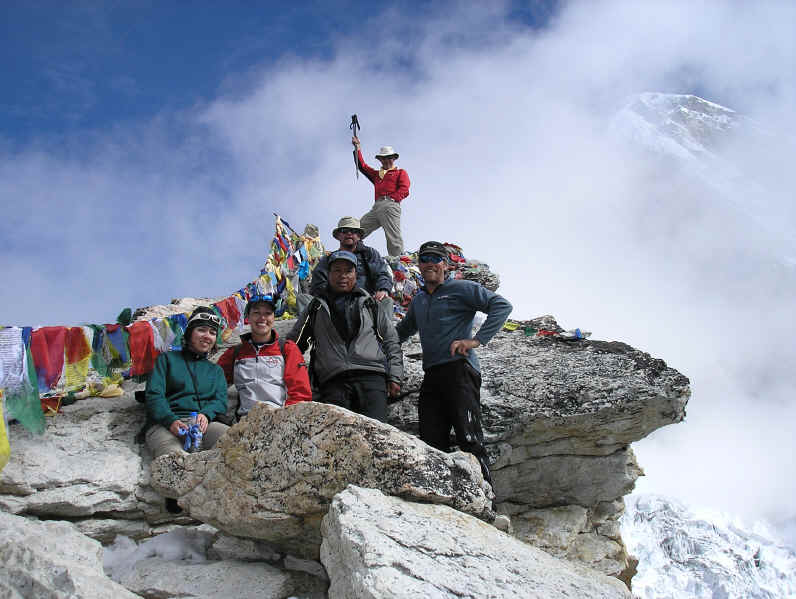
195, 433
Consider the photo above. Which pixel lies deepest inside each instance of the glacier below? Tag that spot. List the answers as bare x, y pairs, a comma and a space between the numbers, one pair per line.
685, 553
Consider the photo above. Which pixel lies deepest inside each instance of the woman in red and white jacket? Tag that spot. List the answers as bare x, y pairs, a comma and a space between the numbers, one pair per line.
264, 368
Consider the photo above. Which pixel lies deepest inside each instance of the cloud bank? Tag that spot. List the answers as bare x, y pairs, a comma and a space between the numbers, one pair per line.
505, 132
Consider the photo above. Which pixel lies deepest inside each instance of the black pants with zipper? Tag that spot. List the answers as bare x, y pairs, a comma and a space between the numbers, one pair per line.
360, 391
451, 397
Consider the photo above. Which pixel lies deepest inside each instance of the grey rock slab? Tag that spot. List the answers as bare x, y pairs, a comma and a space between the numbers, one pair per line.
228, 547
273, 475
105, 530
576, 397
380, 547
51, 560
157, 578
568, 532
86, 462
568, 479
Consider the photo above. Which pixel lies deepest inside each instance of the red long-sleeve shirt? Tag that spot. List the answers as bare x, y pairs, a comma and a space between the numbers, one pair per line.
395, 183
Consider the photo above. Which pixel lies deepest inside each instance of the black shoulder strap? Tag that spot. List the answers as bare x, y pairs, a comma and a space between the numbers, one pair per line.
306, 334
374, 314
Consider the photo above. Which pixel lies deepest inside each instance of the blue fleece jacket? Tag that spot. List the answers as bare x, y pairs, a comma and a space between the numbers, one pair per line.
447, 314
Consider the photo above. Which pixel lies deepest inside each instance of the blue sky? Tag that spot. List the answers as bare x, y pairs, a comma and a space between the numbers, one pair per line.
84, 65
144, 147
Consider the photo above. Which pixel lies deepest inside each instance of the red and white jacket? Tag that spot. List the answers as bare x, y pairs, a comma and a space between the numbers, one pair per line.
272, 375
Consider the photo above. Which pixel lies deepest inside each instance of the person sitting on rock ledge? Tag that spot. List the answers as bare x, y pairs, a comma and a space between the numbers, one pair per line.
443, 312
353, 340
264, 367
183, 382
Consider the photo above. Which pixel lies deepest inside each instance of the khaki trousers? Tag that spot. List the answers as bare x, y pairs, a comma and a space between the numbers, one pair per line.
386, 214
160, 441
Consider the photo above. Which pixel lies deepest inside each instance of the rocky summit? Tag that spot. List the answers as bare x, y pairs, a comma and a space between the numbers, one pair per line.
559, 417
273, 476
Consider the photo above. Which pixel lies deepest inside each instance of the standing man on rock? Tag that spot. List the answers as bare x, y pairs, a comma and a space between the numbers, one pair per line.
372, 272
443, 312
356, 359
391, 187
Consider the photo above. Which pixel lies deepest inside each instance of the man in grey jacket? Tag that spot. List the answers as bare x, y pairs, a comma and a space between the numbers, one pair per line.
443, 312
356, 358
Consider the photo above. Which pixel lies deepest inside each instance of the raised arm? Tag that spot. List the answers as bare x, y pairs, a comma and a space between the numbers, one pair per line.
370, 172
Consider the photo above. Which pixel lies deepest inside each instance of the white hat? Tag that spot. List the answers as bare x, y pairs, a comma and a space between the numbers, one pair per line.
387, 152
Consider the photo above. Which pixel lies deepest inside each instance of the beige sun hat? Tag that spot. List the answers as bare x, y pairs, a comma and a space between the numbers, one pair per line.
387, 152
348, 222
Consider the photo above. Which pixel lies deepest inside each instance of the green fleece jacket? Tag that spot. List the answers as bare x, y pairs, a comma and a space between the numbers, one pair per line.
183, 382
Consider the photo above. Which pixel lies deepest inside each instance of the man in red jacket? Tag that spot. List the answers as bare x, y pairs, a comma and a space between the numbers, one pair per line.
264, 368
391, 187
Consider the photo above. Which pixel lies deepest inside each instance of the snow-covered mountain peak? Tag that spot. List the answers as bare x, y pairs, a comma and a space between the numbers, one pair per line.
683, 553
679, 125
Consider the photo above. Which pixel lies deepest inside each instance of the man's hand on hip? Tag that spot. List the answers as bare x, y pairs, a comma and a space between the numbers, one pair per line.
380, 295
462, 346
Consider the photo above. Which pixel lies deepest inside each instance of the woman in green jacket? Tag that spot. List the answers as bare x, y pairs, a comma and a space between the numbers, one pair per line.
183, 382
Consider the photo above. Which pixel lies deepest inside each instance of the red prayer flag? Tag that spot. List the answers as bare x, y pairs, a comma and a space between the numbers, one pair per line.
47, 348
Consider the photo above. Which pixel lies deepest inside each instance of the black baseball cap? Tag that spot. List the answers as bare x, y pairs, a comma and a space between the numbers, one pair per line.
433, 247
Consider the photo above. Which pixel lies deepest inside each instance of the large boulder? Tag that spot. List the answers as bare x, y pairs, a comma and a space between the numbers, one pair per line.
87, 463
274, 474
381, 547
155, 578
558, 418
87, 467
51, 560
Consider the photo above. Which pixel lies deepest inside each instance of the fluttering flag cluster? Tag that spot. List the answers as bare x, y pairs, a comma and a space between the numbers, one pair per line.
44, 368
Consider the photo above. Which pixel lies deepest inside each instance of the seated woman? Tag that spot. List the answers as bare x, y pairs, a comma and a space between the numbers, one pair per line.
183, 382
265, 368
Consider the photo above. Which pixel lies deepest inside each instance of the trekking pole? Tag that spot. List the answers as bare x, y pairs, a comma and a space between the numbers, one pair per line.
354, 126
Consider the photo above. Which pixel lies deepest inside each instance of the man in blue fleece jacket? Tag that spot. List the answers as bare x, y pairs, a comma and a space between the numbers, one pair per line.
443, 313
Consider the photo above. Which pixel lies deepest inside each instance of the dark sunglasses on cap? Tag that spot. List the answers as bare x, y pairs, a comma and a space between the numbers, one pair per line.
347, 231
262, 298
206, 319
430, 258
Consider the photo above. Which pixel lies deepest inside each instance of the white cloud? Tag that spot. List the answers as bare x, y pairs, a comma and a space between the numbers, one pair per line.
504, 132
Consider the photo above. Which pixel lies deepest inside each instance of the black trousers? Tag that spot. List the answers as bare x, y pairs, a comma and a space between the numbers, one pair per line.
451, 397
359, 391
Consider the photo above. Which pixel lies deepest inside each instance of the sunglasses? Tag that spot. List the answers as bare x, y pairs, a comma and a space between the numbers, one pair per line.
204, 317
262, 298
430, 259
347, 231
